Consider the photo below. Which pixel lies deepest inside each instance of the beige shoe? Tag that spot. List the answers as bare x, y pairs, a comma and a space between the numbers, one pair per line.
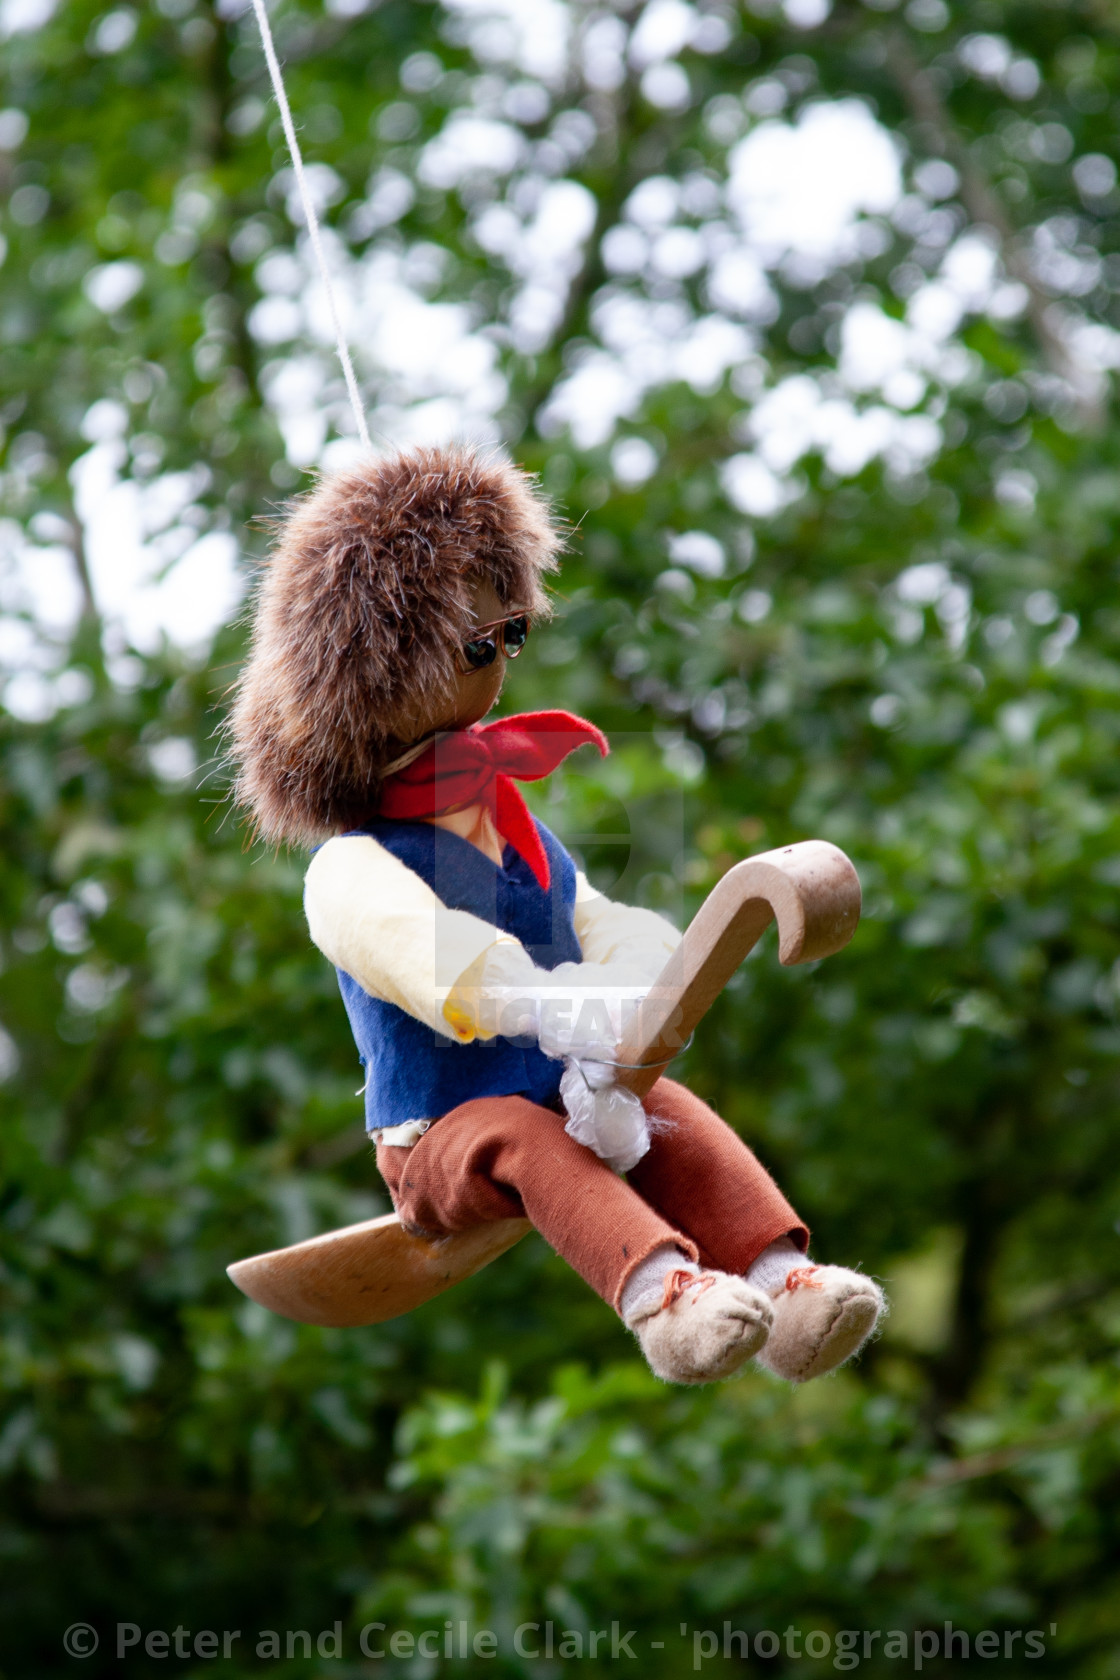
704, 1327
822, 1316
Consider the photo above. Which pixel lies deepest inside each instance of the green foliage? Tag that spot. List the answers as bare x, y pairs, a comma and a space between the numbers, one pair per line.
917, 658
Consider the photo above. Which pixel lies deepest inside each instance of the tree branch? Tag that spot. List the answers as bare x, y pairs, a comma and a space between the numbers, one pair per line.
81, 566
1005, 1458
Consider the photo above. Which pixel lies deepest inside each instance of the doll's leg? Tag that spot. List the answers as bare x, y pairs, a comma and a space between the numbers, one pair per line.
702, 1178
506, 1158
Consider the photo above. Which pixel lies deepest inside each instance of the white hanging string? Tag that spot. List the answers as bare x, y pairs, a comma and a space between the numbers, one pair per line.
310, 216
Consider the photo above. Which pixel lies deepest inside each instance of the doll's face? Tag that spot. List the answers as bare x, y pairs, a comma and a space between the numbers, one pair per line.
473, 693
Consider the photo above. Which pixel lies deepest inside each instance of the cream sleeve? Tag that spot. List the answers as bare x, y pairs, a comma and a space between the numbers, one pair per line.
374, 918
604, 927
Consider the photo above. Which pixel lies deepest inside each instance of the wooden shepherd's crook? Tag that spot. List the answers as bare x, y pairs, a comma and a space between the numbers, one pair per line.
367, 1273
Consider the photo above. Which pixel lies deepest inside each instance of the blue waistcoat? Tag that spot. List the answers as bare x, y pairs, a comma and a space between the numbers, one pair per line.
413, 1073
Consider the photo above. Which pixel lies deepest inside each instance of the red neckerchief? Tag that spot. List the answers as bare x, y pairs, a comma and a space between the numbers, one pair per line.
476, 766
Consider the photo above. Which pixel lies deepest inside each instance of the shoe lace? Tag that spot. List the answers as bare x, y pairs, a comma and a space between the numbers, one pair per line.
803, 1277
678, 1280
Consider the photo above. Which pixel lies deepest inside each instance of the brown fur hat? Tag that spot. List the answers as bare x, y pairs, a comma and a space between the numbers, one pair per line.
360, 613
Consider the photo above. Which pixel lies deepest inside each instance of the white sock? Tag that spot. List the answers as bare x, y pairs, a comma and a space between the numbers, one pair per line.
647, 1280
774, 1265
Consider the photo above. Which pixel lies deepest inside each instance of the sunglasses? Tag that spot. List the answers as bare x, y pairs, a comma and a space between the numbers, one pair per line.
482, 649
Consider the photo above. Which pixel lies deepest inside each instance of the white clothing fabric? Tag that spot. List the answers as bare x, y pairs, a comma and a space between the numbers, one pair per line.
374, 918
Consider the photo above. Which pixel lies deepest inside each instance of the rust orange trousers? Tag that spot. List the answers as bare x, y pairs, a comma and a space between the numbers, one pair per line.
699, 1186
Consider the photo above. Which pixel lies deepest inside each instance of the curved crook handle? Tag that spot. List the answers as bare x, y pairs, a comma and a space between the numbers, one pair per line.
812, 890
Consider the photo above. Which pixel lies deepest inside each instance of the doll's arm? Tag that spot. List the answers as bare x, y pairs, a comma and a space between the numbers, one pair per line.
573, 1009
614, 933
577, 1008
375, 918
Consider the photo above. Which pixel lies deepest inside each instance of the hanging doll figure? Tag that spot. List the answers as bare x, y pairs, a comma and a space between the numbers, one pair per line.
483, 976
